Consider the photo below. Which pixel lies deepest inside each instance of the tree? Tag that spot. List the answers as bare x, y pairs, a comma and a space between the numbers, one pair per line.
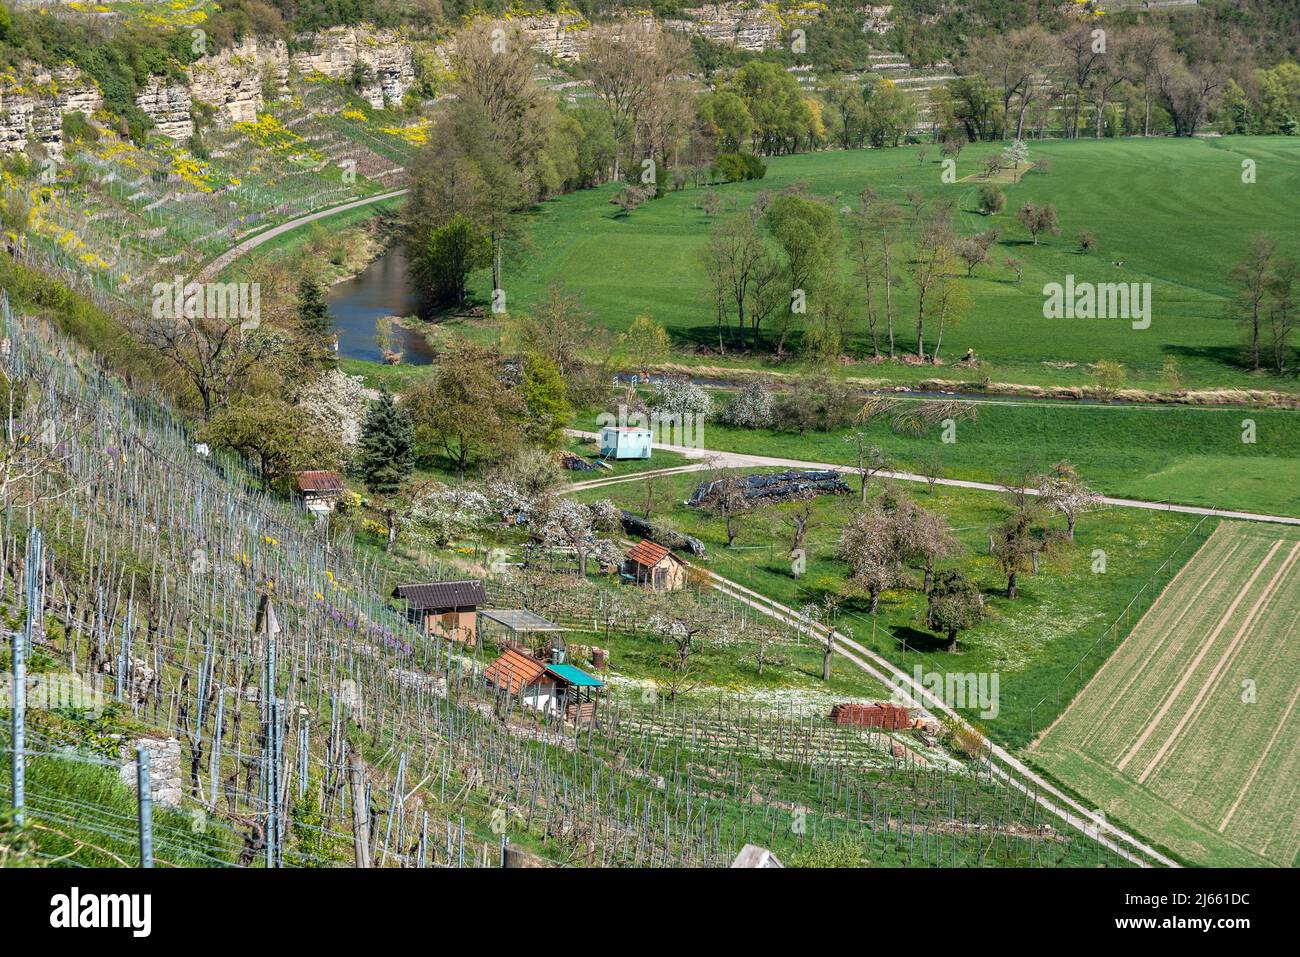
1014, 62
744, 275
991, 200
799, 521
1252, 276
815, 403
1039, 219
924, 536
386, 451
726, 498
874, 235
870, 460
1087, 242
275, 434
890, 115
1063, 491
682, 627
647, 342
931, 261
630, 197
313, 314
545, 397
558, 330
727, 118
1017, 545
1110, 375
955, 605
973, 250
216, 356
752, 406
497, 148
443, 256
870, 547
1281, 311
808, 234
466, 410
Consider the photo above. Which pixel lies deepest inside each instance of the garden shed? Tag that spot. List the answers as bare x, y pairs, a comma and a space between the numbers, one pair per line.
625, 442
653, 566
551, 688
448, 608
320, 490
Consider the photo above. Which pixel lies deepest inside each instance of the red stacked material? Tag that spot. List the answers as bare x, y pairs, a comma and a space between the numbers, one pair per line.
892, 717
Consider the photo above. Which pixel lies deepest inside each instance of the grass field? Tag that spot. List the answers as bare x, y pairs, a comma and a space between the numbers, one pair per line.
1173, 212
1032, 643
1182, 454
1190, 732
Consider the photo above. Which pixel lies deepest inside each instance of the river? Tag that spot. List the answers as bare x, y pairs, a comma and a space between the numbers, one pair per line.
379, 290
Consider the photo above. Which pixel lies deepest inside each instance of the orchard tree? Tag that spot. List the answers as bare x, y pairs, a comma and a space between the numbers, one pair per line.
1039, 219
278, 436
1063, 491
466, 410
955, 605
870, 547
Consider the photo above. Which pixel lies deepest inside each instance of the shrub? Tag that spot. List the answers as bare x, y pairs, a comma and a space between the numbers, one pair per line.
991, 200
753, 407
681, 397
815, 404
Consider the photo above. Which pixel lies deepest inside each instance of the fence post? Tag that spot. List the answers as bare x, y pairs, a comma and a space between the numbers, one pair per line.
19, 727
144, 787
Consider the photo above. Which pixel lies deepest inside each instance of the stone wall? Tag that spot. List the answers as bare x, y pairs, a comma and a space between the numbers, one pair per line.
165, 782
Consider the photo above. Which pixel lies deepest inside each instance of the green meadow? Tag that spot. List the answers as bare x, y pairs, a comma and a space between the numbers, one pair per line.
1032, 643
1188, 455
1174, 213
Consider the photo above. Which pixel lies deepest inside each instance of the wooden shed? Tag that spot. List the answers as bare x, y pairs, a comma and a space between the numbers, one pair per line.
320, 490
654, 566
447, 609
552, 688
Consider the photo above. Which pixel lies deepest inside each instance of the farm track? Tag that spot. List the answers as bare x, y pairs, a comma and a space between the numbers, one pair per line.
212, 269
745, 460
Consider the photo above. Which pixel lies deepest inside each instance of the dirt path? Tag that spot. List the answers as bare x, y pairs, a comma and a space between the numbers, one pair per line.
744, 460
213, 268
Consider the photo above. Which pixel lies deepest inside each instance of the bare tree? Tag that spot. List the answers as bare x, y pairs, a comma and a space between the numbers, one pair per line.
215, 356
871, 459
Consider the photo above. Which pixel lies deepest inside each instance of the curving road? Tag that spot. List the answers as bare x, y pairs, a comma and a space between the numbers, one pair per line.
213, 268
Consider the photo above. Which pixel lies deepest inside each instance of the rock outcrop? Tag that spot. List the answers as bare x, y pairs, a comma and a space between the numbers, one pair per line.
233, 80
388, 72
168, 105
749, 28
34, 102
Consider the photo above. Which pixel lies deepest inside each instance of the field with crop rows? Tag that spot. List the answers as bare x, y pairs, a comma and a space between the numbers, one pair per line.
1190, 732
